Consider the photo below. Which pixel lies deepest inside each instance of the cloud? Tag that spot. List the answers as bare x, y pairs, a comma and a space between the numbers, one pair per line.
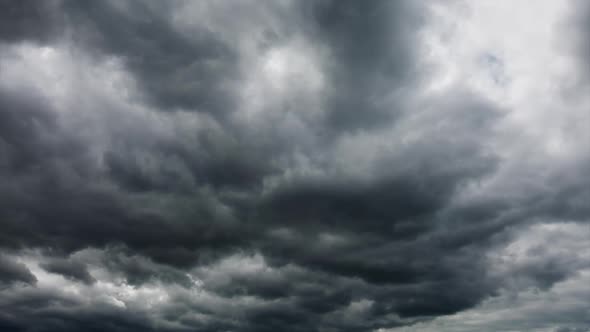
545, 287
69, 269
263, 166
14, 272
29, 21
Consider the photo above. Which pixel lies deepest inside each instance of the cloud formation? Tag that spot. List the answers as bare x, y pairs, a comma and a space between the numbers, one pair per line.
292, 166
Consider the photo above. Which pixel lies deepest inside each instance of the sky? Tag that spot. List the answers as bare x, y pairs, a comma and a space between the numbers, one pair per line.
287, 165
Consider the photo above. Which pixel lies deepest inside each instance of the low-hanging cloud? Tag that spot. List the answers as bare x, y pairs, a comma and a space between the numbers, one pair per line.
276, 166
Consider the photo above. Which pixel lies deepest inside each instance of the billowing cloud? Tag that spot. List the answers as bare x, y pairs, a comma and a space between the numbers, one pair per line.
13, 271
293, 166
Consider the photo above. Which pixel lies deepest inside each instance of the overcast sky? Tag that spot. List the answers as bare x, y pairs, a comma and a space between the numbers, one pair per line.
288, 165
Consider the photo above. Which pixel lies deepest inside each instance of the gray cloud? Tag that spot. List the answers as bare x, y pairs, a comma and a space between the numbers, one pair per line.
257, 166
29, 20
175, 71
12, 272
370, 58
69, 269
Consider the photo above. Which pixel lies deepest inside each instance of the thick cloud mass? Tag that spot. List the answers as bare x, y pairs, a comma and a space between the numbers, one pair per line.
293, 166
28, 20
14, 272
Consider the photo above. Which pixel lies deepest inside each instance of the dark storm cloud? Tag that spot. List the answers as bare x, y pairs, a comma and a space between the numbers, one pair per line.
69, 269
411, 279
371, 54
182, 181
43, 311
63, 207
28, 20
391, 230
578, 25
51, 196
23, 124
138, 270
11, 272
174, 70
179, 167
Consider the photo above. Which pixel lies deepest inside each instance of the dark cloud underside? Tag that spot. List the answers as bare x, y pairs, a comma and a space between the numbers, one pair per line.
346, 205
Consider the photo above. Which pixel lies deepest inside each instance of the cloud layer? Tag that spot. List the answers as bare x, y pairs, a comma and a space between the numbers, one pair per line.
293, 166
